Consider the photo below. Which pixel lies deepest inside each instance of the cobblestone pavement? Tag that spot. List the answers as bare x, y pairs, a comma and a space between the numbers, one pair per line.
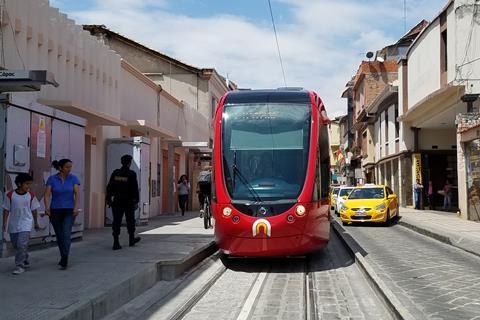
433, 280
341, 292
339, 289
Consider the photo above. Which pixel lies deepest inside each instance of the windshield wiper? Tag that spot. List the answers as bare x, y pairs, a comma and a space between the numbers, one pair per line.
243, 179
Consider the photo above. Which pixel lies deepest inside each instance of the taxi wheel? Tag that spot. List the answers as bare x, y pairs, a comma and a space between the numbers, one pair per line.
388, 219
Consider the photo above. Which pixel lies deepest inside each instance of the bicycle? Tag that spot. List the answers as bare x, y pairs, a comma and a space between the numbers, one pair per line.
207, 213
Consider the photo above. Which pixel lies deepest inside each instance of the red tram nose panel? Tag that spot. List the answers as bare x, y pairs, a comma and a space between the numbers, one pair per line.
242, 235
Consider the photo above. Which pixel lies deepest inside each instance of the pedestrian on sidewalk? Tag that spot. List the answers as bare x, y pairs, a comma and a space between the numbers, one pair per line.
183, 188
62, 199
447, 196
430, 195
417, 188
123, 197
204, 187
20, 206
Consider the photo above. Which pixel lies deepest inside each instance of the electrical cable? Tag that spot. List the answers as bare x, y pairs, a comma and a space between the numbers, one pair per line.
458, 72
278, 46
2, 53
14, 37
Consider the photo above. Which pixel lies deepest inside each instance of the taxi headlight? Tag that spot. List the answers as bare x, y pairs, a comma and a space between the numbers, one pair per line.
227, 211
381, 207
343, 207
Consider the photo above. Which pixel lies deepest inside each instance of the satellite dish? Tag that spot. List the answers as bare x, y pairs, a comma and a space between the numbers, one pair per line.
369, 54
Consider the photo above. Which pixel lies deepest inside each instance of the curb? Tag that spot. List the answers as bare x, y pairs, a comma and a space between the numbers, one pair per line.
436, 236
194, 298
107, 302
169, 270
393, 304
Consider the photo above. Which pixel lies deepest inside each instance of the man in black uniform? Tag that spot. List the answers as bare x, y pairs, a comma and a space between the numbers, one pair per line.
123, 187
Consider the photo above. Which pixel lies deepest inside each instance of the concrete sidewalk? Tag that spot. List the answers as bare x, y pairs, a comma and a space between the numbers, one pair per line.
444, 226
98, 279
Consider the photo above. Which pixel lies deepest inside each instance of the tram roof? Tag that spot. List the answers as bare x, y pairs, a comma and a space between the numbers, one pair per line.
282, 95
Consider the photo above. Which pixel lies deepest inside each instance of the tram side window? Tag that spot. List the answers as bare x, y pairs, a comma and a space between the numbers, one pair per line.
324, 147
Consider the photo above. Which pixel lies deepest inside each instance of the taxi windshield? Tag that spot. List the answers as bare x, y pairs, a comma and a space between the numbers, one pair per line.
367, 193
345, 192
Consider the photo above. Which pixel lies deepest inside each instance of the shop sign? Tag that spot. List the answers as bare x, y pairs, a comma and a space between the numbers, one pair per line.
417, 161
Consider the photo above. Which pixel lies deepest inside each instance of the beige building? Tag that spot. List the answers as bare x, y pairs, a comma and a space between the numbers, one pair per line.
199, 90
334, 138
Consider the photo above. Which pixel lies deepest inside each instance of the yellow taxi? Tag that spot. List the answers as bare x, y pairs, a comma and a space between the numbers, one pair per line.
370, 203
333, 197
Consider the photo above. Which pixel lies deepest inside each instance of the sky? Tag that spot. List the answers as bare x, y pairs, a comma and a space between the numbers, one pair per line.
322, 42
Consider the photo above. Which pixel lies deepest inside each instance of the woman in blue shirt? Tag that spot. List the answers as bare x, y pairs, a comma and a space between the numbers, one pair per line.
62, 198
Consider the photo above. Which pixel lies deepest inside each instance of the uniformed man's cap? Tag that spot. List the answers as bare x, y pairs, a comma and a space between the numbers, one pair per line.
126, 159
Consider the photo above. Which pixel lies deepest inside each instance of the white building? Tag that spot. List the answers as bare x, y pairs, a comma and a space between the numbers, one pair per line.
440, 69
99, 97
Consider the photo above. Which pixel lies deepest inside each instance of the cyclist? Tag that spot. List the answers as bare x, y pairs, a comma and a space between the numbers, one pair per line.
204, 187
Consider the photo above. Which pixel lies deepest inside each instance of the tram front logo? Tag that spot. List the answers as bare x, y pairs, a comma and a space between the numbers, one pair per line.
261, 225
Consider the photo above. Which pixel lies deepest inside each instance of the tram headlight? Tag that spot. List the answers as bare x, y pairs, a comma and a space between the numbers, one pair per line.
300, 210
227, 211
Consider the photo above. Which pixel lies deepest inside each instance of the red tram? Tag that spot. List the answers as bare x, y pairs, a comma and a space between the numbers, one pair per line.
271, 173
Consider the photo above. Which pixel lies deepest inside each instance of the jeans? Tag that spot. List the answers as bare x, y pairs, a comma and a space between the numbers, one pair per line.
447, 202
20, 244
62, 222
118, 210
417, 200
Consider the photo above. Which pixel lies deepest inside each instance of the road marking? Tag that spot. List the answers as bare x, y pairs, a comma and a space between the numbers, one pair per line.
252, 297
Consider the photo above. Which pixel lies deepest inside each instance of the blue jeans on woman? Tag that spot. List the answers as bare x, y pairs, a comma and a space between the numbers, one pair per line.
447, 202
417, 200
62, 222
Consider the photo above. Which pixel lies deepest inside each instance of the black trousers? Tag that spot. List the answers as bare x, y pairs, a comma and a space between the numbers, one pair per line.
118, 211
182, 202
205, 189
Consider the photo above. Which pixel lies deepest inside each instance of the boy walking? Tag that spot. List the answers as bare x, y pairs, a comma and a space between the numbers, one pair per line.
20, 206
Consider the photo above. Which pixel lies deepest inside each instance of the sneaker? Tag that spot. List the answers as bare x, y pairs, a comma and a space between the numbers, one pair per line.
133, 240
18, 270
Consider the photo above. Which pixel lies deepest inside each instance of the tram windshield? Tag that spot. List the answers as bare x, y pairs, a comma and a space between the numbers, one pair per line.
265, 150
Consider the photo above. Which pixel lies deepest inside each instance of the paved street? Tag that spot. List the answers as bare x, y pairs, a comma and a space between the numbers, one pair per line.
275, 289
432, 280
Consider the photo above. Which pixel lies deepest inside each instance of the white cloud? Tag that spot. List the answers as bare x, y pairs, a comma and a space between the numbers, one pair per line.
321, 47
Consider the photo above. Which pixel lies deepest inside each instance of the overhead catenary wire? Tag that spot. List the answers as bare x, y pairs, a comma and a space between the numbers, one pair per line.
278, 46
